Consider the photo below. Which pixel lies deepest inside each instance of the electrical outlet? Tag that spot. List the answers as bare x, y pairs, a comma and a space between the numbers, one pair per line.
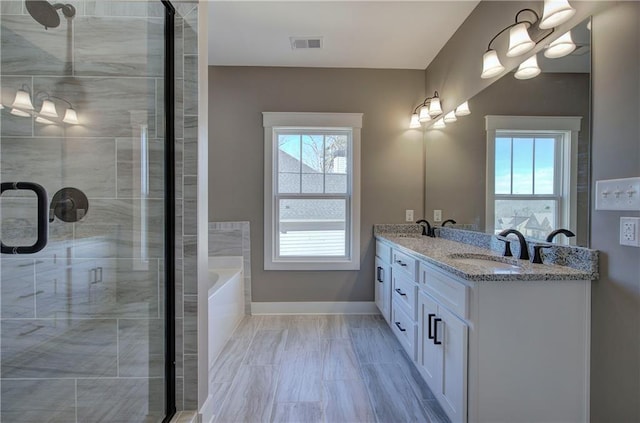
629, 231
437, 215
408, 215
618, 194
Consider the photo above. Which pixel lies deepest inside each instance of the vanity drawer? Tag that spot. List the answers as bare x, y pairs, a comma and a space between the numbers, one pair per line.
404, 328
448, 291
405, 263
383, 251
405, 292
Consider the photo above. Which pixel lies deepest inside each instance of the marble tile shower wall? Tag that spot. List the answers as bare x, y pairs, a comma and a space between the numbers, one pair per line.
233, 239
76, 317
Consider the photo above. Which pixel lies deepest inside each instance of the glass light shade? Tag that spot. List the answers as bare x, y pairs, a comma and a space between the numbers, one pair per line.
556, 12
415, 121
424, 114
42, 120
519, 41
20, 113
463, 109
528, 69
439, 124
491, 65
434, 107
22, 100
560, 47
450, 117
70, 117
49, 109
1, 107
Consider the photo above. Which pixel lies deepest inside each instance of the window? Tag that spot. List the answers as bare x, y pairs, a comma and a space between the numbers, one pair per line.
312, 191
531, 174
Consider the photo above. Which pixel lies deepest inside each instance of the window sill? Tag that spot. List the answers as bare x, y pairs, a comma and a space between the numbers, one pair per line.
311, 265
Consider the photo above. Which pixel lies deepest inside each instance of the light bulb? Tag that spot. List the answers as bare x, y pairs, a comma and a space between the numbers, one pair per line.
491, 65
560, 47
463, 109
70, 117
450, 117
49, 109
22, 100
424, 114
519, 41
415, 121
434, 107
439, 124
528, 69
556, 12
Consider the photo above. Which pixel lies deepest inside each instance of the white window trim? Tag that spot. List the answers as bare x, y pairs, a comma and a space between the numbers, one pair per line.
280, 120
570, 125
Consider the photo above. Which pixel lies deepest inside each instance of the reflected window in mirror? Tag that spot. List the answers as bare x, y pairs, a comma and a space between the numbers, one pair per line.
532, 177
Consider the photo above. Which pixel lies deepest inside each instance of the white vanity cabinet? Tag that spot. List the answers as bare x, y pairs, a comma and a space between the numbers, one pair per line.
383, 280
494, 351
442, 348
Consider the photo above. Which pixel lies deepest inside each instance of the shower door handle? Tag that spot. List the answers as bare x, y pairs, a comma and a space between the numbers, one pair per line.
43, 217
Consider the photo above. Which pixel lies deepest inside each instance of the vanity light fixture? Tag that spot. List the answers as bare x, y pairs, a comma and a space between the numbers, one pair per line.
450, 117
415, 121
556, 12
524, 35
463, 109
528, 69
560, 47
70, 117
18, 112
439, 124
423, 115
435, 108
48, 109
44, 121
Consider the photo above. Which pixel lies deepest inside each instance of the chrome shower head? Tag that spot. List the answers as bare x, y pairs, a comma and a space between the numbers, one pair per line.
46, 14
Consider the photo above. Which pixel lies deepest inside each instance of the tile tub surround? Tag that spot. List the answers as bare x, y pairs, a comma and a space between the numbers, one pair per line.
233, 239
582, 259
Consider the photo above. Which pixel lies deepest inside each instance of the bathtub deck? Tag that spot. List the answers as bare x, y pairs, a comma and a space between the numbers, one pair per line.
333, 369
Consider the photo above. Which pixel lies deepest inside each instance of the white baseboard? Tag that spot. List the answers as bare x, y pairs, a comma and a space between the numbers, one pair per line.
322, 307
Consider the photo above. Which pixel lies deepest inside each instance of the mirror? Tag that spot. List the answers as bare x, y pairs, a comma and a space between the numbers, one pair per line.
536, 181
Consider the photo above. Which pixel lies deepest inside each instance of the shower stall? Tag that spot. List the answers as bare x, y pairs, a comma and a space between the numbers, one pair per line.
87, 210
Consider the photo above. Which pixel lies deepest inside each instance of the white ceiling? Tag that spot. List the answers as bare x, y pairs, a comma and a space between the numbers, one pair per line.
356, 34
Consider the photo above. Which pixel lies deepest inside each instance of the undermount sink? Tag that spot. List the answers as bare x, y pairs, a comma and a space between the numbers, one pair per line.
486, 261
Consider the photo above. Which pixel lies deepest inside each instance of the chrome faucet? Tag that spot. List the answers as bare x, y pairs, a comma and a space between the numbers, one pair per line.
426, 228
524, 251
453, 222
564, 232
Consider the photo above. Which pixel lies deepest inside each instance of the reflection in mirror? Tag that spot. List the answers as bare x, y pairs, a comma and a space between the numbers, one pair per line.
529, 169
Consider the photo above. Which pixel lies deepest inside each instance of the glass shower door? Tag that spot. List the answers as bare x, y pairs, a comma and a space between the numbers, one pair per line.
82, 212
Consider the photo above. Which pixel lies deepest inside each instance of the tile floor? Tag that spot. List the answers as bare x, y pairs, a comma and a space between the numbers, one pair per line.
329, 368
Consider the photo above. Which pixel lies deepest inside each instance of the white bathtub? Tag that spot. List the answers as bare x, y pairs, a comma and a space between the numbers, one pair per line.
226, 301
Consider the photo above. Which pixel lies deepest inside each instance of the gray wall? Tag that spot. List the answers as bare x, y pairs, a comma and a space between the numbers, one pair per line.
615, 363
392, 160
615, 343
456, 157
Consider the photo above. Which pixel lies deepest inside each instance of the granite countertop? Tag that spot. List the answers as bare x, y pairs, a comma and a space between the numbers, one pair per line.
438, 251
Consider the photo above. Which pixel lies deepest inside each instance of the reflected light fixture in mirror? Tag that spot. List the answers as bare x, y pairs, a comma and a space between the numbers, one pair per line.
450, 117
22, 100
44, 121
560, 47
556, 12
439, 124
463, 109
70, 117
48, 109
528, 69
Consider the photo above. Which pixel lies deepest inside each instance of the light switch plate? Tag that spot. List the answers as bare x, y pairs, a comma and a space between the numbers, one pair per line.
630, 231
618, 194
437, 215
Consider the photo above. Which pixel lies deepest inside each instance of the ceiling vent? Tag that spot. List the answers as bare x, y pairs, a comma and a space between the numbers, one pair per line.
299, 43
